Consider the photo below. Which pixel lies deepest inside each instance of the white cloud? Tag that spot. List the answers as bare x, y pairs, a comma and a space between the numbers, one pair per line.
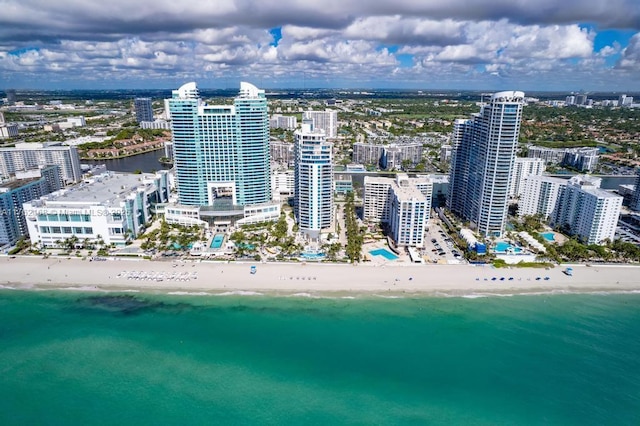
461, 41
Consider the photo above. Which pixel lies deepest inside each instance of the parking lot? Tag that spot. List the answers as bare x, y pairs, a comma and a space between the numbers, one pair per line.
439, 247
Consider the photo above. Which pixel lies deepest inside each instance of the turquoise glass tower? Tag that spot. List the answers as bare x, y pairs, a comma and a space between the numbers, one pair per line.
221, 152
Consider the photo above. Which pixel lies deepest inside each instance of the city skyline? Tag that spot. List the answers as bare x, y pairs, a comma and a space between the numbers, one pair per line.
490, 45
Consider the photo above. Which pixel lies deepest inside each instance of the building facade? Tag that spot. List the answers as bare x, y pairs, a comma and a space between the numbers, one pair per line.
313, 180
409, 214
523, 168
482, 166
112, 207
26, 156
540, 196
326, 120
144, 109
402, 202
21, 189
289, 122
585, 210
221, 152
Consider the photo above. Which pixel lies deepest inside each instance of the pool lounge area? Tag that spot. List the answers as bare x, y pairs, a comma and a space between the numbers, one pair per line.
387, 254
503, 247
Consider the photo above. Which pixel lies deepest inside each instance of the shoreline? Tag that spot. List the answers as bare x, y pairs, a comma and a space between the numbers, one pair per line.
309, 280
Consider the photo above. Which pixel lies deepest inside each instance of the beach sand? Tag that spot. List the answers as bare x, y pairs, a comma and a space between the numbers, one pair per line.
292, 278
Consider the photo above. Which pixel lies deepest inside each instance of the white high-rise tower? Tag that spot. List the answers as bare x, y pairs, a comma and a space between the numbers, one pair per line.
313, 180
483, 163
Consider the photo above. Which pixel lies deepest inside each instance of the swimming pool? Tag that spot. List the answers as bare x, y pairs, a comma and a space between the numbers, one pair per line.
549, 236
313, 255
504, 247
384, 253
217, 241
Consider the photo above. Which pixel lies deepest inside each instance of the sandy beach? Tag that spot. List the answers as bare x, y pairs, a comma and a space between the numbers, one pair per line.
292, 278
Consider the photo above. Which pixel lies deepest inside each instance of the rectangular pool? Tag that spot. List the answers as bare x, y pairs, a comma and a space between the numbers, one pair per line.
217, 241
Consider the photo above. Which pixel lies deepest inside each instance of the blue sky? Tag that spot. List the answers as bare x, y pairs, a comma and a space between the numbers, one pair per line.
421, 44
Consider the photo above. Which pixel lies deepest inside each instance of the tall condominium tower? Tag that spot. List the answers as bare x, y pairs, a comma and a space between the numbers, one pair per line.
483, 161
221, 152
326, 120
585, 210
144, 110
313, 180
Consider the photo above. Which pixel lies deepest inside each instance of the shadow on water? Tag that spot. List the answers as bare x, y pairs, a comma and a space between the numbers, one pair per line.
126, 305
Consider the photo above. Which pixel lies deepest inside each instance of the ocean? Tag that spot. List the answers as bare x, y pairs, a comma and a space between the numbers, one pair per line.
81, 358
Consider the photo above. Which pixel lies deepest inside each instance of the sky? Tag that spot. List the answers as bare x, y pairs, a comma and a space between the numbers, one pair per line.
535, 45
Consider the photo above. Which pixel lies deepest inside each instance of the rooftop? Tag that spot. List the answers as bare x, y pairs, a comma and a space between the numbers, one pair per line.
107, 189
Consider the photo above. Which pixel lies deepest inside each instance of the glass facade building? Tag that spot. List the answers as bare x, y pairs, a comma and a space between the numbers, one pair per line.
483, 162
221, 152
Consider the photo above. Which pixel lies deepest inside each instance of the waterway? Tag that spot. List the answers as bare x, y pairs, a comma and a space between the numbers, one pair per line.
147, 162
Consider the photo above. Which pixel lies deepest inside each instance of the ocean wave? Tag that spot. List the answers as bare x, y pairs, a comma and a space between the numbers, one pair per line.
385, 296
239, 293
7, 287
189, 293
301, 295
83, 288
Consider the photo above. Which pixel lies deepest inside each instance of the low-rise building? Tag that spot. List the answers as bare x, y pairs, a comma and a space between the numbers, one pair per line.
112, 207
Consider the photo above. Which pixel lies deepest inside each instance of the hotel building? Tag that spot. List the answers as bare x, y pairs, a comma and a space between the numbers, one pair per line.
540, 196
585, 210
404, 203
483, 162
221, 152
114, 207
313, 180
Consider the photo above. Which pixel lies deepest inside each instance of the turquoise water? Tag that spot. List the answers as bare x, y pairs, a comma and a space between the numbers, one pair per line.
76, 358
313, 256
549, 236
217, 241
503, 247
384, 253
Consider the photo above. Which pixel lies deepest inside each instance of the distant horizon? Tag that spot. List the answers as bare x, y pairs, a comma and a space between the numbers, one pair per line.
487, 45
328, 89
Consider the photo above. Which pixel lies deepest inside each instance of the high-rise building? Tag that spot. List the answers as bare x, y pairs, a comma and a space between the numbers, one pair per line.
313, 180
483, 161
326, 120
635, 196
25, 156
12, 98
585, 210
523, 168
20, 189
409, 214
404, 203
583, 159
221, 152
540, 196
289, 122
144, 110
